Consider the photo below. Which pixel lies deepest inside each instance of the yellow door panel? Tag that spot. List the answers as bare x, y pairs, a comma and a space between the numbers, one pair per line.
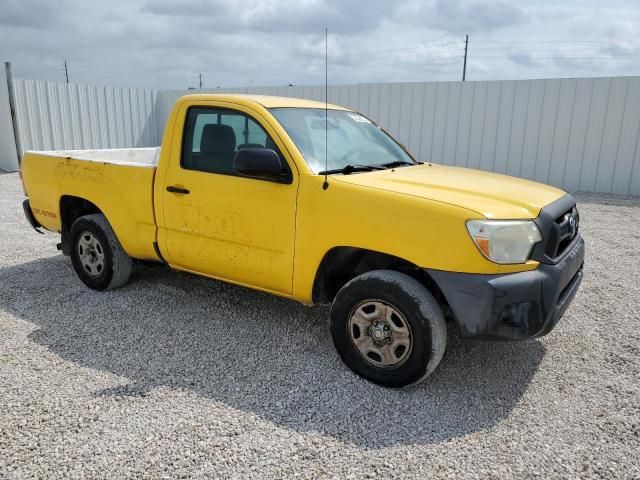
231, 227
227, 226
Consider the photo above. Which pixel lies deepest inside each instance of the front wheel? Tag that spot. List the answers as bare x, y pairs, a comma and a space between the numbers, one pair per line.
388, 328
96, 254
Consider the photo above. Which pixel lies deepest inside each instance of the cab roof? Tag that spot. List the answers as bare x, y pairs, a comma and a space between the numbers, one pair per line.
267, 101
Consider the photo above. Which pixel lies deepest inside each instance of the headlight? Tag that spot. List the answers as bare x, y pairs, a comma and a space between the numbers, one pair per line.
504, 241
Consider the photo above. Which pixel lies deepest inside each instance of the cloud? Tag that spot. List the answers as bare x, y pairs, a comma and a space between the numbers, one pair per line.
188, 8
278, 16
233, 43
31, 13
462, 16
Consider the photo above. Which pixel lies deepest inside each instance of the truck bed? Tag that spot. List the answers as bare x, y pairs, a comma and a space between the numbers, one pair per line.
119, 182
118, 156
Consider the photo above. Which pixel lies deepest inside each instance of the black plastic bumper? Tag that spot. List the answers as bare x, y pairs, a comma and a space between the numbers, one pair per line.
513, 306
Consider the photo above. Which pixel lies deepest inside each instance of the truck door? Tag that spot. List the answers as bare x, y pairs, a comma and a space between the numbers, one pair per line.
218, 223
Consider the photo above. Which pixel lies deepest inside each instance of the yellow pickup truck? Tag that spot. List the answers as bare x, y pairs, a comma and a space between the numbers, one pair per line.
319, 204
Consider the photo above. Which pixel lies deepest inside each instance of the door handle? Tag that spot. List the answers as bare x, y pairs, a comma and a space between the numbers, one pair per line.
174, 189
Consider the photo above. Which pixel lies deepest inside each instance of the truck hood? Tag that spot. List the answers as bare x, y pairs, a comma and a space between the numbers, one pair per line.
489, 194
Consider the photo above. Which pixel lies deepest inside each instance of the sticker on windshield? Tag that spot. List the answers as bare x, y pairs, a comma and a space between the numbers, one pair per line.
359, 118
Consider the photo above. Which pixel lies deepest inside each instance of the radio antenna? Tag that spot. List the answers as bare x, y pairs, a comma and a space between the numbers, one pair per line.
325, 185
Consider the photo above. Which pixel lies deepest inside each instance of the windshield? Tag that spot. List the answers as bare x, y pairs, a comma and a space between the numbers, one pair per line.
352, 139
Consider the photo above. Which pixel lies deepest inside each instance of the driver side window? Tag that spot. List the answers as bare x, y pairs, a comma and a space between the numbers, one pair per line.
213, 136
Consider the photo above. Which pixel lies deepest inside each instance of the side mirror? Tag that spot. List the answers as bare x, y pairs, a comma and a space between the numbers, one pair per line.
261, 163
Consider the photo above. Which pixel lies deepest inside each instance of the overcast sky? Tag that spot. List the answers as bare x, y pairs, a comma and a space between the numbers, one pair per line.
167, 43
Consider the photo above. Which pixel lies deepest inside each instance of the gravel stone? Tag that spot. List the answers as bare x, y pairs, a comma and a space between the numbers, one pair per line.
176, 376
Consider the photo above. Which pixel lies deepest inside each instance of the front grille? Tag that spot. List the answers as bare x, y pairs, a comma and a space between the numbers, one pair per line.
567, 229
558, 223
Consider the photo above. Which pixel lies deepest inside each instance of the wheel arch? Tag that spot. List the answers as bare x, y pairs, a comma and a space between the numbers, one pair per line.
72, 208
341, 264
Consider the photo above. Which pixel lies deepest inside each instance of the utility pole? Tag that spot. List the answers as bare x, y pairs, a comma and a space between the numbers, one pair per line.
200, 79
66, 71
464, 65
12, 109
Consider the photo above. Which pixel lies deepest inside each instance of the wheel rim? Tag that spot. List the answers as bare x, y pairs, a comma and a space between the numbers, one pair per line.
90, 254
380, 333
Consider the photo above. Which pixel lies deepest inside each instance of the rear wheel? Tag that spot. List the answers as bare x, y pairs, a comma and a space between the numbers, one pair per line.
388, 328
96, 254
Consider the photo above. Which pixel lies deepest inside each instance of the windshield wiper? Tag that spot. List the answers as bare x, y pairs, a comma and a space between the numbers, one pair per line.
396, 163
351, 168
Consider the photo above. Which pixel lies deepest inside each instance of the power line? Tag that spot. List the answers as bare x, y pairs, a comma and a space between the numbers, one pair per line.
436, 60
547, 41
441, 42
440, 49
374, 54
360, 59
545, 49
441, 56
561, 58
416, 56
442, 53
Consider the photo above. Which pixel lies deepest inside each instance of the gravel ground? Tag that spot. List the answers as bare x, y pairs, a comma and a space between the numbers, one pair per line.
176, 376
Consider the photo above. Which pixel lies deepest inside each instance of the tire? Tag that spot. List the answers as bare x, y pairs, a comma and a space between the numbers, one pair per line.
96, 254
408, 350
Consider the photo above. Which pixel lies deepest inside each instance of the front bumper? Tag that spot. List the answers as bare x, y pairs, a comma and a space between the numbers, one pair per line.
513, 306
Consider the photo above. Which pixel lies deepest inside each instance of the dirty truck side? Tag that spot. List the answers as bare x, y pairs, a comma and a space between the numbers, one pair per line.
398, 246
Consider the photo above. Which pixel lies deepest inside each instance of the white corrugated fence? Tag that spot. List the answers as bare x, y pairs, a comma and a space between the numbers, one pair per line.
68, 116
578, 134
